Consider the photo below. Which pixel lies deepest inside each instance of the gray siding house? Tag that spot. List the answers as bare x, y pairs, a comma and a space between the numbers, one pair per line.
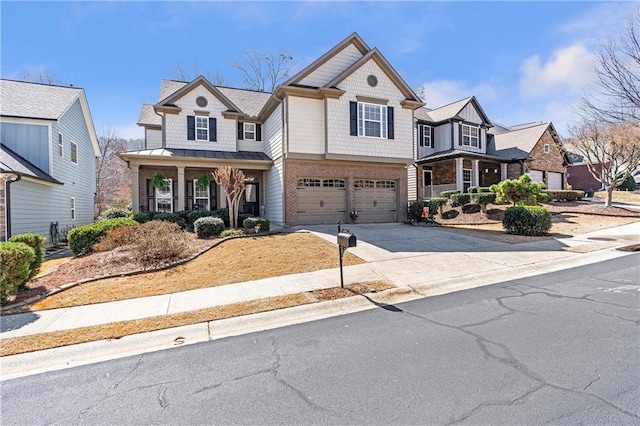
48, 150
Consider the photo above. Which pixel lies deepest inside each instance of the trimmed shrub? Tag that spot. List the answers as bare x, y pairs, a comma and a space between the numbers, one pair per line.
519, 191
448, 194
170, 217
158, 242
222, 214
232, 233
564, 195
252, 222
414, 212
629, 184
589, 193
437, 204
15, 259
484, 198
526, 220
82, 238
243, 216
208, 227
471, 208
193, 215
143, 217
473, 189
484, 189
114, 213
35, 242
460, 199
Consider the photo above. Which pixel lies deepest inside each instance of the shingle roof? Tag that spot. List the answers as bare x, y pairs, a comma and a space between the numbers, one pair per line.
12, 162
196, 153
523, 139
167, 87
250, 102
423, 114
448, 111
33, 100
148, 117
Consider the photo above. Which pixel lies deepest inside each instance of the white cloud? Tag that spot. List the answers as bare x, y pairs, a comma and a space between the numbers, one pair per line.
442, 92
569, 68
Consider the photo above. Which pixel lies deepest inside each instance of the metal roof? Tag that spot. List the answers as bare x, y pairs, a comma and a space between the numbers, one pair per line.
196, 153
454, 153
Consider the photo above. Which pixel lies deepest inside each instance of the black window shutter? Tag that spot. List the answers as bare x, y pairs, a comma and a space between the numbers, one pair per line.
480, 137
188, 184
240, 130
420, 135
460, 134
353, 118
431, 145
151, 197
213, 137
191, 128
258, 132
390, 126
174, 188
213, 204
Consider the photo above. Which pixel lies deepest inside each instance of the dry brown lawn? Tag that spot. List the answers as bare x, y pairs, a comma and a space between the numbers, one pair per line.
233, 261
631, 197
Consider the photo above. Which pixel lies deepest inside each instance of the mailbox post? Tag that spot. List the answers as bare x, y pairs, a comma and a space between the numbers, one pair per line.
345, 240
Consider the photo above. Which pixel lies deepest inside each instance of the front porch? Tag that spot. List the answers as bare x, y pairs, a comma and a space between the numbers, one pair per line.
458, 173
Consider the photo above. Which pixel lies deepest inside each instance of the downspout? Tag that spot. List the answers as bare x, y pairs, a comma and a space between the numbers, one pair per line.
9, 179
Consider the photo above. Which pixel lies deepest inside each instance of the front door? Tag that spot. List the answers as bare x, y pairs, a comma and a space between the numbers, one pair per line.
251, 199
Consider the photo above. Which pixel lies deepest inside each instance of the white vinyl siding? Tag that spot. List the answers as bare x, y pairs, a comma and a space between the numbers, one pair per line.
412, 184
272, 134
306, 126
273, 193
153, 138
470, 115
332, 68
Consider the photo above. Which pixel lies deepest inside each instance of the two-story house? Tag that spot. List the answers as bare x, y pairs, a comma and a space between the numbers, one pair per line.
48, 148
336, 137
458, 146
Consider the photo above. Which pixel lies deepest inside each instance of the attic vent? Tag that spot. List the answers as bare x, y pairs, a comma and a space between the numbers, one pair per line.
201, 101
372, 80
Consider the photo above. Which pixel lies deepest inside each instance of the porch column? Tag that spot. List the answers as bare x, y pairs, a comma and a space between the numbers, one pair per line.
475, 172
135, 188
503, 171
181, 186
459, 181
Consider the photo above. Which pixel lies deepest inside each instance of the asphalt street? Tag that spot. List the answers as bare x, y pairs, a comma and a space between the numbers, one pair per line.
554, 348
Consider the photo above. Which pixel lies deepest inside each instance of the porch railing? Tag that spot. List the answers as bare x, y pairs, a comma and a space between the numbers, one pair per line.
433, 191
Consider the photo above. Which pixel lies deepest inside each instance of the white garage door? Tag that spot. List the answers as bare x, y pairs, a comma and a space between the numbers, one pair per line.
555, 180
321, 201
376, 200
536, 175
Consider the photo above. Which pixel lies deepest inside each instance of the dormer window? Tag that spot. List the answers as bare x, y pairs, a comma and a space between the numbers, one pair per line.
249, 131
470, 136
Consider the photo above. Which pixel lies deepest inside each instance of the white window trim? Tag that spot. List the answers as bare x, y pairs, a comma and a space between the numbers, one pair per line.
424, 173
246, 130
195, 196
362, 121
205, 128
470, 181
546, 149
73, 208
71, 145
471, 138
169, 197
60, 145
426, 136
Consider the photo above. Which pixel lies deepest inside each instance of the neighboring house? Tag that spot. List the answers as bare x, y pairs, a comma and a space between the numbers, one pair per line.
48, 148
457, 146
579, 176
336, 137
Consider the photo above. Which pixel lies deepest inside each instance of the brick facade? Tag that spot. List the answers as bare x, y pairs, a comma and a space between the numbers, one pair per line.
296, 169
579, 177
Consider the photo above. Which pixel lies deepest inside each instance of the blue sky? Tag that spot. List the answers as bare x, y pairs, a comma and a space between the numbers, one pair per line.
524, 61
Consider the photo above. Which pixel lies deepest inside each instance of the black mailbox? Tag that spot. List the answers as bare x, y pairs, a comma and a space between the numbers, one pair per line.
346, 240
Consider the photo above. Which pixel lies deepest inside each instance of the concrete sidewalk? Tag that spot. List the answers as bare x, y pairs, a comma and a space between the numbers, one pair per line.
420, 261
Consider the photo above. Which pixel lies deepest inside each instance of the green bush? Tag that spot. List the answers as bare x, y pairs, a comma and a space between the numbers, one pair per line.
232, 233
114, 213
526, 220
473, 189
82, 238
629, 184
448, 194
193, 215
460, 199
437, 204
35, 242
484, 198
252, 222
15, 259
519, 191
222, 214
471, 208
484, 190
414, 212
143, 217
171, 218
589, 193
208, 227
564, 195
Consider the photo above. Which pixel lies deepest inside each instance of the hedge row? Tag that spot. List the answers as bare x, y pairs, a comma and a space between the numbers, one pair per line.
526, 220
564, 195
82, 238
35, 242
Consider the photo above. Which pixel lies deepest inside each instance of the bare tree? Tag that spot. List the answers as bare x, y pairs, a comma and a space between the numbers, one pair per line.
611, 151
179, 72
264, 71
231, 182
43, 77
113, 183
617, 78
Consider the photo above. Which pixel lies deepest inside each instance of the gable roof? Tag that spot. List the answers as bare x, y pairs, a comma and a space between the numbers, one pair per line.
524, 139
44, 102
11, 162
452, 111
148, 116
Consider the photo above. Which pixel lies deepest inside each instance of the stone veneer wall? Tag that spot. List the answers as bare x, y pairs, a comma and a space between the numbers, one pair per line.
296, 169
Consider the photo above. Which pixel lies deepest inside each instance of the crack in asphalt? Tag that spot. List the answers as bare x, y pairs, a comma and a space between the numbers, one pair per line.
235, 379
618, 317
107, 394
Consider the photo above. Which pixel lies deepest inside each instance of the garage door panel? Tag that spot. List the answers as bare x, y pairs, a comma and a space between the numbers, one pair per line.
536, 175
375, 200
321, 201
555, 180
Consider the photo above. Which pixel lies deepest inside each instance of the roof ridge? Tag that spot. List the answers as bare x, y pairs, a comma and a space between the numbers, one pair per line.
42, 84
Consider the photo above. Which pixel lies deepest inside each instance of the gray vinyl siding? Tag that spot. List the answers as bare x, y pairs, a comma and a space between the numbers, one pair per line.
29, 141
34, 205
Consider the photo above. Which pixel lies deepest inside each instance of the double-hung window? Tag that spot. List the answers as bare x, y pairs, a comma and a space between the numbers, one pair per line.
250, 131
372, 120
424, 136
200, 196
164, 197
470, 136
60, 145
202, 128
73, 208
74, 152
